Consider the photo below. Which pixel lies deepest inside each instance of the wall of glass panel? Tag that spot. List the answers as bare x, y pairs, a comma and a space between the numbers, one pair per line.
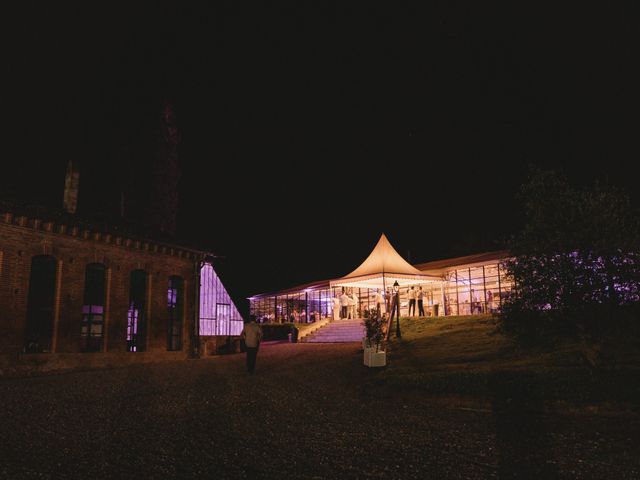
475, 290
463, 291
305, 306
218, 314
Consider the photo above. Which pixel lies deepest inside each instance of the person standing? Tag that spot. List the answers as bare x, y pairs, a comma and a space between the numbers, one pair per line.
344, 305
420, 298
252, 335
336, 308
350, 305
489, 301
412, 302
380, 303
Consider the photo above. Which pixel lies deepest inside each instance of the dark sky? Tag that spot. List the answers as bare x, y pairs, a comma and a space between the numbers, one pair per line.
308, 128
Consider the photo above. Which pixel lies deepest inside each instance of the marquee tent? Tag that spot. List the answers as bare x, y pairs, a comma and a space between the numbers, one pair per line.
382, 268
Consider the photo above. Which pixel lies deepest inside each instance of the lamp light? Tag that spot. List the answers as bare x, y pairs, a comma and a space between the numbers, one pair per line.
396, 291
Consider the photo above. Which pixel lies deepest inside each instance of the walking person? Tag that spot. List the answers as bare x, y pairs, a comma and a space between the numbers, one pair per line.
252, 335
412, 302
420, 298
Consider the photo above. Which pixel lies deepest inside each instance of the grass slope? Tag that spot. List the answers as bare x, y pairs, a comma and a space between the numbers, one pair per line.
469, 356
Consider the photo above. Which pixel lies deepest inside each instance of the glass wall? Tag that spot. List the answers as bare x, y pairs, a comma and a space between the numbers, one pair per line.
304, 306
218, 314
463, 291
475, 290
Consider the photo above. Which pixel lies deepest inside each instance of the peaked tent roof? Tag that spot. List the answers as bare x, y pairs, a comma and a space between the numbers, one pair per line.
383, 266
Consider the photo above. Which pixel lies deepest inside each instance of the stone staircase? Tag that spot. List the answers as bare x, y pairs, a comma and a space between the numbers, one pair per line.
338, 331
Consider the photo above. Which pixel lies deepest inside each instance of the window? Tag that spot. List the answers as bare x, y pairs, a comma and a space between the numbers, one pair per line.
174, 310
92, 330
40, 304
136, 313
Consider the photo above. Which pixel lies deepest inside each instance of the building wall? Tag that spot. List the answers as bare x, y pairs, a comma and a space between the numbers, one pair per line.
21, 239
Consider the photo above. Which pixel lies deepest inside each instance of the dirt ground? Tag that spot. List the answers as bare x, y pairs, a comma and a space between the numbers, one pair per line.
311, 411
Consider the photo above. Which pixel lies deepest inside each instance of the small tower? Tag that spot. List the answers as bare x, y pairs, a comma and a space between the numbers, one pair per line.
71, 185
162, 205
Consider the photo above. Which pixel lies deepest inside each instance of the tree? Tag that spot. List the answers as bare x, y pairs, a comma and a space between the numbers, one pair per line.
576, 260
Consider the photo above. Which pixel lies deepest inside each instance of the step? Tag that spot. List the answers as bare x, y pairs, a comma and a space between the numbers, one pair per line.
338, 331
355, 335
338, 334
332, 340
354, 329
353, 325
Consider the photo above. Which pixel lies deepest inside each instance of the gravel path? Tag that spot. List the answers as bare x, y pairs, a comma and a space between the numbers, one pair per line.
309, 412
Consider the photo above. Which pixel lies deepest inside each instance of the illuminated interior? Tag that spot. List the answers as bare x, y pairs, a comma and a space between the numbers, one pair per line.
92, 328
458, 286
218, 314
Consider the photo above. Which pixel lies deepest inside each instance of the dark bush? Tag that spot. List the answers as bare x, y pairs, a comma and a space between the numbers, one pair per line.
534, 326
575, 263
276, 331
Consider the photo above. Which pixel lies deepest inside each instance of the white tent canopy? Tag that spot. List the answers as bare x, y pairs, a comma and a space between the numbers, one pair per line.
382, 268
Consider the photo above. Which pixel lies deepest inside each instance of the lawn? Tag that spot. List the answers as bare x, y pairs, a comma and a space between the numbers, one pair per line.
470, 356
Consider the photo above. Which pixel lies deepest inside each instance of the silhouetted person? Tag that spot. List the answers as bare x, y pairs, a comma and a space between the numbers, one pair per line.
252, 334
344, 305
420, 298
380, 303
412, 301
489, 301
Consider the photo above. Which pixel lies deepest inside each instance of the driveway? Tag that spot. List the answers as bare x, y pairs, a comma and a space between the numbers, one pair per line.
311, 411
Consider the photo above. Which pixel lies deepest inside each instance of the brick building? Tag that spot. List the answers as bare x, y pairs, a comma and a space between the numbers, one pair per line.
68, 290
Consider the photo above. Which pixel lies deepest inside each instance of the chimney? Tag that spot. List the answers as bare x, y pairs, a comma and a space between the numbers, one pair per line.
71, 184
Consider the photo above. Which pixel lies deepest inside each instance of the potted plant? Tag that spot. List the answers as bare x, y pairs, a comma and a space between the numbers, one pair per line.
374, 356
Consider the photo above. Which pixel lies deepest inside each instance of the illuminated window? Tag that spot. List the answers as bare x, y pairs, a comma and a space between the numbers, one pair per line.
92, 329
136, 313
174, 310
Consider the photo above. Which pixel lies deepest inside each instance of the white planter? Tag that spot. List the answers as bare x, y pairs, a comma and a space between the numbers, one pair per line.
373, 358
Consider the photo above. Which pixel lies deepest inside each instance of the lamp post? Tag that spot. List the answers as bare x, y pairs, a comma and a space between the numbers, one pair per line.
396, 290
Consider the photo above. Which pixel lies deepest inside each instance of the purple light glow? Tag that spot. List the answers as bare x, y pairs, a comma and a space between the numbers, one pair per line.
94, 309
172, 297
218, 314
132, 323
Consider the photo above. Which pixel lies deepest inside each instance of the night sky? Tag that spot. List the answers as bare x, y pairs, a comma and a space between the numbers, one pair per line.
310, 128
